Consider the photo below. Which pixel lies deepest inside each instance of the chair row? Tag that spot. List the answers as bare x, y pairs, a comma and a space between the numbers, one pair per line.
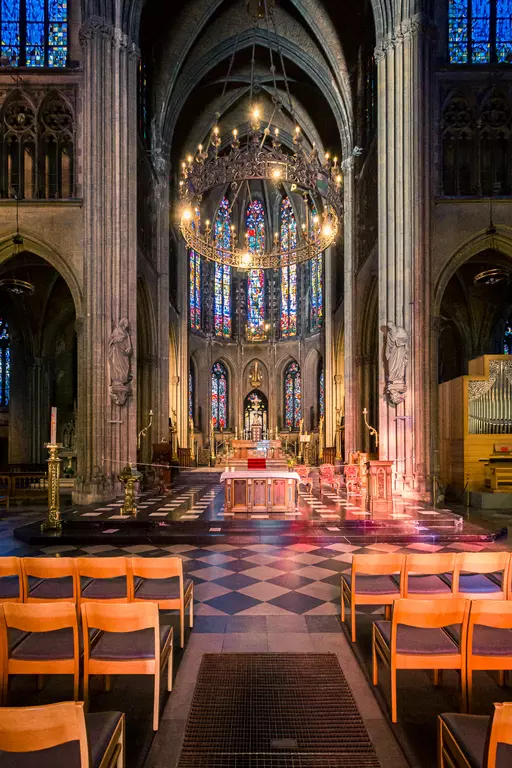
459, 634
90, 579
115, 639
381, 579
66, 734
470, 741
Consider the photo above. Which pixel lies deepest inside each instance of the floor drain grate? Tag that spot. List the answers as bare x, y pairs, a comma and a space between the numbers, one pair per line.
274, 710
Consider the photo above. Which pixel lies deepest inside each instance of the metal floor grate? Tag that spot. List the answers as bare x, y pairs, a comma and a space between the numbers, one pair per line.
274, 710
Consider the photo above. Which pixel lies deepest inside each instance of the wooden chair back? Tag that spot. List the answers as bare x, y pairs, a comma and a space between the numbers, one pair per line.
482, 562
41, 617
157, 567
489, 613
30, 729
48, 568
11, 566
377, 565
501, 731
426, 565
102, 567
430, 614
121, 617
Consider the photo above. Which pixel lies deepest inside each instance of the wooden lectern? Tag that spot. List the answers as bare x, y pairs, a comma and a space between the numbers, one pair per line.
380, 486
162, 454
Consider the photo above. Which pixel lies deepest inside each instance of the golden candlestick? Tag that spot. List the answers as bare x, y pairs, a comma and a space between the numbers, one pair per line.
372, 430
321, 438
129, 477
53, 522
212, 438
174, 436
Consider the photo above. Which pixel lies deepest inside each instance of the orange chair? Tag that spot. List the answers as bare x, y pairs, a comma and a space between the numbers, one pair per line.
104, 579
421, 575
131, 643
416, 639
371, 583
51, 646
11, 580
27, 730
162, 582
49, 578
473, 741
481, 574
489, 639
3, 654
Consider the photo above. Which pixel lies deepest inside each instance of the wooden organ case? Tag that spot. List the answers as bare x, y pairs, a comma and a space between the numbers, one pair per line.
475, 426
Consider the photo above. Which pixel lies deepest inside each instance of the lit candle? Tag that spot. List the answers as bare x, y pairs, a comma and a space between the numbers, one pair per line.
53, 426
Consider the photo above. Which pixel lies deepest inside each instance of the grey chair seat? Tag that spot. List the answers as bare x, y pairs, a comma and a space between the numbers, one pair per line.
487, 641
45, 646
470, 731
15, 636
161, 589
105, 589
100, 729
428, 584
48, 589
418, 641
9, 587
373, 585
123, 646
477, 583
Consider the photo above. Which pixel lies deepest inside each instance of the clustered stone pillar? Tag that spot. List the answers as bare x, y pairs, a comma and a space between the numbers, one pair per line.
107, 429
351, 407
404, 139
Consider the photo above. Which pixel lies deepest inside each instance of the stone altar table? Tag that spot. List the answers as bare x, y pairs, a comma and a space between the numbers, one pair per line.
244, 449
260, 491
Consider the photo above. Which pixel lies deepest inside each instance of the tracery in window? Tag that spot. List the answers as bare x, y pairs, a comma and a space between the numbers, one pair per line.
195, 282
5, 364
191, 393
255, 228
222, 277
219, 396
34, 33
292, 396
479, 31
321, 391
288, 274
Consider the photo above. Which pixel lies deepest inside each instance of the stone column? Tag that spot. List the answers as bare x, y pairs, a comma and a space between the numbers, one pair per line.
350, 373
404, 152
330, 406
183, 347
107, 430
161, 380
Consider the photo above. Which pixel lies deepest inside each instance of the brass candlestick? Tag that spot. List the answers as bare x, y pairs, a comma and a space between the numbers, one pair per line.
372, 430
53, 521
212, 439
321, 438
129, 477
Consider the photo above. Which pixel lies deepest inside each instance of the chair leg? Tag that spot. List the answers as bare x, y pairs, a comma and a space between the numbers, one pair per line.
192, 607
182, 626
76, 685
156, 700
40, 682
353, 617
440, 750
107, 683
464, 691
438, 677
394, 716
501, 678
387, 612
86, 690
470, 690
374, 660
169, 668
342, 603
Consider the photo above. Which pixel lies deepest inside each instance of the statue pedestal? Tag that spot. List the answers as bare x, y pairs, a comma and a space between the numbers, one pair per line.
380, 486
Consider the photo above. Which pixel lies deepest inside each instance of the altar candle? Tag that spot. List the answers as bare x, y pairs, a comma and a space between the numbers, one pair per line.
53, 426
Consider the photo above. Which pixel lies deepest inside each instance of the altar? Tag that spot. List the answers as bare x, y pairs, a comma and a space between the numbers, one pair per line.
248, 449
260, 491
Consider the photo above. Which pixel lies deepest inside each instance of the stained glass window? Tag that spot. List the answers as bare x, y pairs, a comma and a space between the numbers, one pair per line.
195, 282
190, 394
316, 269
321, 392
288, 274
143, 100
507, 339
5, 364
219, 396
222, 287
479, 31
34, 33
255, 227
292, 407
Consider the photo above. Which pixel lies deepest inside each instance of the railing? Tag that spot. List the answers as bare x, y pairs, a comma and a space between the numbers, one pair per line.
23, 484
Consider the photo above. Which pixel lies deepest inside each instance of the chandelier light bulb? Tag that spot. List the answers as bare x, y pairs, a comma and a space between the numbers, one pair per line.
276, 131
256, 114
327, 230
235, 132
187, 214
276, 173
315, 219
189, 159
246, 259
297, 129
216, 130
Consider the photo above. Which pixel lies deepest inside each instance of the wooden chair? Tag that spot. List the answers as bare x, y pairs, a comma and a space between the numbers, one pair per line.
131, 643
370, 583
421, 575
63, 730
462, 739
11, 580
51, 646
329, 477
162, 582
3, 654
353, 480
489, 639
49, 578
104, 579
303, 471
481, 574
415, 639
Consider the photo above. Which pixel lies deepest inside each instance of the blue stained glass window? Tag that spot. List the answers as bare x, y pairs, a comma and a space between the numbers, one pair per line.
292, 392
321, 392
190, 394
288, 274
255, 227
5, 364
34, 33
222, 286
195, 292
316, 270
479, 31
219, 396
507, 339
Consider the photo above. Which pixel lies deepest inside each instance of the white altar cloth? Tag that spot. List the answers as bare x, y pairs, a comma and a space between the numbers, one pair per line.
259, 474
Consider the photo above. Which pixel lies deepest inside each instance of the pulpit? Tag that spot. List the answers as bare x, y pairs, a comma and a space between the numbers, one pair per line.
380, 486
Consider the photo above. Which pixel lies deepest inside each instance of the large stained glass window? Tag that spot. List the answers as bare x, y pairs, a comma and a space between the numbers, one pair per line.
316, 269
5, 365
507, 339
191, 394
34, 33
255, 227
195, 283
219, 396
292, 407
288, 274
222, 287
479, 31
321, 391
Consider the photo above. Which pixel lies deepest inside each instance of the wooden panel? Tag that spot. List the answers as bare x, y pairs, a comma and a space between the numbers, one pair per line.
279, 495
260, 491
240, 493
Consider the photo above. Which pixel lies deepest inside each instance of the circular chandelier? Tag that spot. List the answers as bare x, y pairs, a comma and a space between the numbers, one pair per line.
492, 276
260, 156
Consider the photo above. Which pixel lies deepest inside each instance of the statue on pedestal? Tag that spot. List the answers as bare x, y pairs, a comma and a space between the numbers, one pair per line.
119, 356
397, 347
255, 376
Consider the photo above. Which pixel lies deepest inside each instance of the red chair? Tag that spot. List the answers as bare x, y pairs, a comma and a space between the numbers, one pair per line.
329, 477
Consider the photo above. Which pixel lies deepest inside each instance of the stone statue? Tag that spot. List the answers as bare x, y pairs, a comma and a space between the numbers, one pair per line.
255, 376
119, 357
397, 347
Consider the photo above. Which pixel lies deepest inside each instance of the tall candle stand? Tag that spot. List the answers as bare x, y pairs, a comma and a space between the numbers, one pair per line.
129, 477
321, 438
53, 522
